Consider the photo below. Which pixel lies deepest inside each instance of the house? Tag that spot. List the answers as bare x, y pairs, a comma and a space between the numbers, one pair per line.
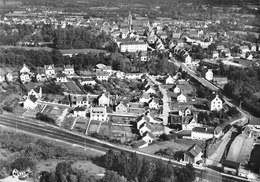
187, 59
146, 126
25, 77
215, 54
189, 122
30, 102
185, 111
218, 132
121, 108
79, 100
133, 46
149, 90
103, 99
181, 97
169, 80
253, 48
98, 113
193, 155
102, 67
40, 77
36, 92
25, 69
61, 77
202, 133
220, 80
148, 137
230, 166
69, 70
244, 49
9, 77
215, 102
153, 103
102, 75
176, 89
207, 73
135, 76
49, 70
141, 120
145, 97
87, 81
80, 112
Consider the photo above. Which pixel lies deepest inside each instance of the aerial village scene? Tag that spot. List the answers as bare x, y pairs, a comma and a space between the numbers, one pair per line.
134, 82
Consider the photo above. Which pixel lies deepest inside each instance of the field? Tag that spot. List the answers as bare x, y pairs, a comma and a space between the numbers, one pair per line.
53, 111
72, 87
93, 126
105, 129
122, 132
81, 125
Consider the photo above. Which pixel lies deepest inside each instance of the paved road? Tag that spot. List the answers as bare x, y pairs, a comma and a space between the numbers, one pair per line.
58, 134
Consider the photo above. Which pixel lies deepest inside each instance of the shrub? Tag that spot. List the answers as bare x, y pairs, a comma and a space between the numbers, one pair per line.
23, 163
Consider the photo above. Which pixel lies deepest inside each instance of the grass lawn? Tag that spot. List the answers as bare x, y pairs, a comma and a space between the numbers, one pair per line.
105, 129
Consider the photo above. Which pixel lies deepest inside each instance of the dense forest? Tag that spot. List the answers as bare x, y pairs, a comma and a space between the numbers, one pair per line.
243, 85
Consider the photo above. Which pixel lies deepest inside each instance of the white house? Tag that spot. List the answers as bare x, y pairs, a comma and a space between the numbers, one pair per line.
185, 111
9, 77
193, 154
145, 127
98, 113
132, 76
215, 102
49, 70
148, 137
149, 90
69, 70
188, 60
25, 77
202, 133
36, 92
121, 108
189, 122
177, 89
87, 81
133, 46
25, 69
102, 75
61, 77
181, 98
79, 100
215, 54
103, 99
153, 103
209, 75
30, 102
169, 80
145, 97
80, 112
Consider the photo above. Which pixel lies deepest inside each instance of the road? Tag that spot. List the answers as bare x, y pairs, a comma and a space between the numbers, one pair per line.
61, 135
166, 101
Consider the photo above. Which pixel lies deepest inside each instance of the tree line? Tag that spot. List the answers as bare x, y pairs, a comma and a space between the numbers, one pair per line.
136, 168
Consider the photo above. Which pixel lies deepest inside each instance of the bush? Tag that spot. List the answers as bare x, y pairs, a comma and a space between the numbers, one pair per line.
23, 163
45, 118
8, 108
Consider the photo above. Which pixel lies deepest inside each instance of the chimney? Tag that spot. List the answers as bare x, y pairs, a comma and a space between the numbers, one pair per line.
206, 129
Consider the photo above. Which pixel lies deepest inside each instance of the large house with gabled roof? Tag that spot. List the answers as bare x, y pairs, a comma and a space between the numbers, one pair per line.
69, 70
215, 102
49, 70
193, 154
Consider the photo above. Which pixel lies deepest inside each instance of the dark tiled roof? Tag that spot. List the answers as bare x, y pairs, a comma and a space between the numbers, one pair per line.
61, 75
80, 109
193, 151
203, 130
32, 98
231, 164
149, 134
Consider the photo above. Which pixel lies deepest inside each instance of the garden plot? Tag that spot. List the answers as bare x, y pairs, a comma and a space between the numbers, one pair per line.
105, 128
93, 126
81, 125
